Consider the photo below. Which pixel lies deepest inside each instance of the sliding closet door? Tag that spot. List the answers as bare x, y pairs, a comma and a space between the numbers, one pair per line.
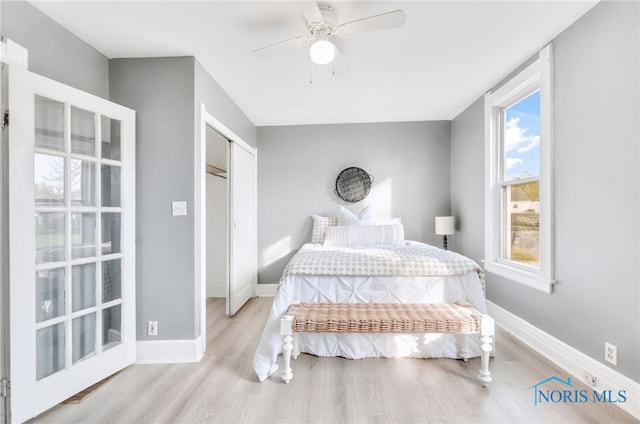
243, 267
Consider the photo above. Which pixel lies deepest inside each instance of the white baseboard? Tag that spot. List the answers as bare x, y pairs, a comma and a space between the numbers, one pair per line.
568, 358
266, 290
169, 351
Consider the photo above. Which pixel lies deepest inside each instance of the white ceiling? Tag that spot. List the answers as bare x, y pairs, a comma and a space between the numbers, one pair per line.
446, 56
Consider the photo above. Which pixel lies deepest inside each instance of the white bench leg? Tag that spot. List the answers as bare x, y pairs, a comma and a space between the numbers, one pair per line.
287, 345
465, 353
296, 350
487, 331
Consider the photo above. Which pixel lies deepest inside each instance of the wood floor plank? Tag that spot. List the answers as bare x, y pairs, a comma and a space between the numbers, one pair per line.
222, 387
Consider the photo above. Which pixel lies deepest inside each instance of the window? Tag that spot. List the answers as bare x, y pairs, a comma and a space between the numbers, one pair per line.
518, 224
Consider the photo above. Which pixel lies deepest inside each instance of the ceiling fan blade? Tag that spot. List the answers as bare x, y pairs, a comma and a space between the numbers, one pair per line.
310, 10
388, 20
279, 47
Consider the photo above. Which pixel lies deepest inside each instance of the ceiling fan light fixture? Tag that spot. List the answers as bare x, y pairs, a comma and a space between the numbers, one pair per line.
322, 51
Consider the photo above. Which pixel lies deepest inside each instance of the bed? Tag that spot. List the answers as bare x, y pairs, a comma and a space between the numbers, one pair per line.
371, 264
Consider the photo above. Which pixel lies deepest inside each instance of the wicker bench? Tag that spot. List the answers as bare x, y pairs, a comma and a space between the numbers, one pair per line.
453, 318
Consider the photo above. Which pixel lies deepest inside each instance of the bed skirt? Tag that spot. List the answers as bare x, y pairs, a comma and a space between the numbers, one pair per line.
372, 289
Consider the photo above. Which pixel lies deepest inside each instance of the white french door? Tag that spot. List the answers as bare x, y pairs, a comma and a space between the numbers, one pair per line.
71, 199
243, 262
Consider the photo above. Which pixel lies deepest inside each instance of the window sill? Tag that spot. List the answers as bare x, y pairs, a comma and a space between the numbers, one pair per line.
523, 277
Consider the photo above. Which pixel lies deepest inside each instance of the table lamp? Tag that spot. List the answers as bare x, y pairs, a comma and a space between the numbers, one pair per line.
444, 227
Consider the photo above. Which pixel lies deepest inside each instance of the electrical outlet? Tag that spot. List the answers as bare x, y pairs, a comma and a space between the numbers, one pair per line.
611, 353
590, 379
152, 328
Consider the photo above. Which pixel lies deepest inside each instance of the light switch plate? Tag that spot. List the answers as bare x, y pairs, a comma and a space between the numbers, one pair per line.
179, 208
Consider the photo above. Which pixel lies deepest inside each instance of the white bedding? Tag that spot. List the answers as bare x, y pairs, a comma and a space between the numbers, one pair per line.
297, 288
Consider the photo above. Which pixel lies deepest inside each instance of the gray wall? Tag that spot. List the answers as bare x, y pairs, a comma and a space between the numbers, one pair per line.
53, 51
596, 190
298, 165
166, 94
161, 91
467, 181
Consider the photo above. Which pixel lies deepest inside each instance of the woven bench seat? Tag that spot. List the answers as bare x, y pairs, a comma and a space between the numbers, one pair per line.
452, 318
385, 318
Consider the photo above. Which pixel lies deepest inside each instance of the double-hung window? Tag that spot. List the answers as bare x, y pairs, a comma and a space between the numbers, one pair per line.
518, 199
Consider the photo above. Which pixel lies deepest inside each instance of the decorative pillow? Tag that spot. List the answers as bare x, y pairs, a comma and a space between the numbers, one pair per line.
347, 217
320, 225
365, 235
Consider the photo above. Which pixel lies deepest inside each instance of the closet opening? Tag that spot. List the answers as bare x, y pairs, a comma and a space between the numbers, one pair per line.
217, 215
225, 223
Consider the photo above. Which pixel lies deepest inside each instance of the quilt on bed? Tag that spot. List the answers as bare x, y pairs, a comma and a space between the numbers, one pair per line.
410, 259
414, 273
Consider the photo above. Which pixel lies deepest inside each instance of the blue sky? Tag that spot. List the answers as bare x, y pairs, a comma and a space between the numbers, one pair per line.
522, 138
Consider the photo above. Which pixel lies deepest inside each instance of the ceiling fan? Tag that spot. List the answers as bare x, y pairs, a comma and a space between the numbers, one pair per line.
321, 24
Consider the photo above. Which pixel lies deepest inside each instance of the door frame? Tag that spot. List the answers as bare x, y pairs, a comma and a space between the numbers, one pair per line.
200, 214
16, 55
4, 251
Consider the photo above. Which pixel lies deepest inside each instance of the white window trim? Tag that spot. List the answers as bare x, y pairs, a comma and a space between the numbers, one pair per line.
536, 75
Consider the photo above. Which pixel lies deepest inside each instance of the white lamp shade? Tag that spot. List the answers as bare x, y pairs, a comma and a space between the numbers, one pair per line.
445, 225
322, 51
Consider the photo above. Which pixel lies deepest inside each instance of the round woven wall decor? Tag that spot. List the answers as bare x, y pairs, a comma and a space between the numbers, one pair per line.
353, 184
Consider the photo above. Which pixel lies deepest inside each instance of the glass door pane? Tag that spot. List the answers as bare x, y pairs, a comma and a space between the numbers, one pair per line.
111, 327
83, 337
110, 138
49, 124
111, 233
111, 186
50, 229
48, 180
83, 234
83, 286
50, 350
83, 132
111, 281
50, 294
83, 182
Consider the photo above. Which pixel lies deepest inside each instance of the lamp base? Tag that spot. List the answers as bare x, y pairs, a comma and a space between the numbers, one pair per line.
444, 242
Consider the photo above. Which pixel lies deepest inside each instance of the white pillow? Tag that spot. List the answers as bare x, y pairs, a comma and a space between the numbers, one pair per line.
320, 225
346, 217
365, 235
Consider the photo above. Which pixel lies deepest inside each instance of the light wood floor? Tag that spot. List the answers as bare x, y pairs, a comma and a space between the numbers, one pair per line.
223, 388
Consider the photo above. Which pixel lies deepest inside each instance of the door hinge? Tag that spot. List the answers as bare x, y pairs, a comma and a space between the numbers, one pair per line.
4, 388
5, 118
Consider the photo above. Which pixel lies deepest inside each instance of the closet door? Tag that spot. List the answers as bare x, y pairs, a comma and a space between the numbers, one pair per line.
243, 263
71, 191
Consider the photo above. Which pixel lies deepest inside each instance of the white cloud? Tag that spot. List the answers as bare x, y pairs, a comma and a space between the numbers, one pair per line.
515, 137
534, 141
512, 162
